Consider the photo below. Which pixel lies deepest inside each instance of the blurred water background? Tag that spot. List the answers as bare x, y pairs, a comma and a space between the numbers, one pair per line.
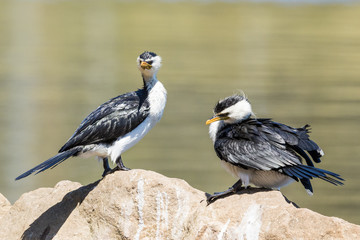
297, 61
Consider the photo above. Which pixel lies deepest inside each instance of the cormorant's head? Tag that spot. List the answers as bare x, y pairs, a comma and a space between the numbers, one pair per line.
232, 109
148, 63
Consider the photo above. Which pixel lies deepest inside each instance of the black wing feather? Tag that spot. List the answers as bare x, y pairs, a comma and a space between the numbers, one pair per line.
113, 119
266, 145
255, 144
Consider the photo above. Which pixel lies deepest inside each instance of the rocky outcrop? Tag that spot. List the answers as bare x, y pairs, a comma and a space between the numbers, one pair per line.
4, 205
142, 204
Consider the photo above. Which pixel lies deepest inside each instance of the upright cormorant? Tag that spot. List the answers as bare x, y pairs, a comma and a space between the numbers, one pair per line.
118, 124
262, 152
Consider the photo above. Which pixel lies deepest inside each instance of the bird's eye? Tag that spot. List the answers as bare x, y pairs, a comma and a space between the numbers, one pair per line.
222, 114
149, 62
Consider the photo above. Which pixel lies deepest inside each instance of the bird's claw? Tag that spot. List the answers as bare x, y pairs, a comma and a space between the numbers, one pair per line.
212, 198
117, 168
124, 169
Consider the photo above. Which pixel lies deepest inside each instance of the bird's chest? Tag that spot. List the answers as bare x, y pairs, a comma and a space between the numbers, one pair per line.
157, 100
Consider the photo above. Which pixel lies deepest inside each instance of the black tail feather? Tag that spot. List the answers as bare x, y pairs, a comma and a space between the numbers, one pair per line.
331, 180
304, 155
52, 162
305, 173
294, 172
315, 156
307, 185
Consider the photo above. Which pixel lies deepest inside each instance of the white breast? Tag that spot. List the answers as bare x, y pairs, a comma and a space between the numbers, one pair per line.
157, 100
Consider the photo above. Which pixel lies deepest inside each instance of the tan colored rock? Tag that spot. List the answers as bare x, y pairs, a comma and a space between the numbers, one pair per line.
4, 205
142, 204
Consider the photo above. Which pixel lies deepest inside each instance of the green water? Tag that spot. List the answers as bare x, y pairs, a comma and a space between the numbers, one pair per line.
298, 64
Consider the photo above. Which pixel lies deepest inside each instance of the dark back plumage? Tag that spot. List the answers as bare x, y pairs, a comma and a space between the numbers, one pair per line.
111, 120
263, 144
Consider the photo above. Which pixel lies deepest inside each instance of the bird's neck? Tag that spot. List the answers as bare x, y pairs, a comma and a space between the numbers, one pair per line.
149, 82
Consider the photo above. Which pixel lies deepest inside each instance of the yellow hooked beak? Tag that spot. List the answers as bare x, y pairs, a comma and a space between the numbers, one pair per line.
145, 65
215, 118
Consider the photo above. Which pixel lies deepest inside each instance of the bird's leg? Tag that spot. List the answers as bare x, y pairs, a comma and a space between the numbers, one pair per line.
107, 168
233, 189
120, 164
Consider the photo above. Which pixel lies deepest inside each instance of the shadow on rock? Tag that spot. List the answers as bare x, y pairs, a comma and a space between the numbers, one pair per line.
48, 224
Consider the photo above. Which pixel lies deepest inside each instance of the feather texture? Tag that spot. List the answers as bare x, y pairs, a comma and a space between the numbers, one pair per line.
265, 145
111, 120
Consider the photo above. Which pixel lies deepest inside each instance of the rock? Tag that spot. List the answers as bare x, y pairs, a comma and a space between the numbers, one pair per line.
4, 205
142, 204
